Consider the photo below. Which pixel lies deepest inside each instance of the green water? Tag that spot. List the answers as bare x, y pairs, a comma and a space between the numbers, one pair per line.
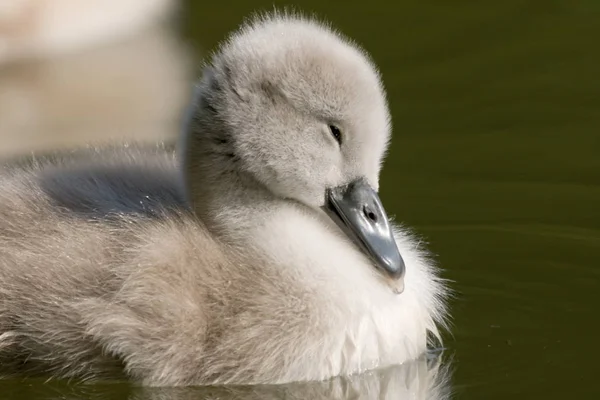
495, 161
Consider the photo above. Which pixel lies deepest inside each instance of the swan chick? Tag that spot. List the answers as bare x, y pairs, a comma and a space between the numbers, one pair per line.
257, 252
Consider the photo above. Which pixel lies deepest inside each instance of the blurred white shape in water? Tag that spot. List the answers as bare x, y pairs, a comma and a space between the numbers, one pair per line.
414, 380
133, 89
41, 27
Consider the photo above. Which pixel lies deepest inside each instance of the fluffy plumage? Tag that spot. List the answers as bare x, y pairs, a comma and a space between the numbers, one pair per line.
218, 265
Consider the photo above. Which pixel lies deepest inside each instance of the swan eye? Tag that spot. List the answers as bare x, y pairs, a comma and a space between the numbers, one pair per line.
336, 133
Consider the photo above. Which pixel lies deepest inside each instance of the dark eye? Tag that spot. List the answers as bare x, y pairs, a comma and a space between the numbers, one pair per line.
336, 133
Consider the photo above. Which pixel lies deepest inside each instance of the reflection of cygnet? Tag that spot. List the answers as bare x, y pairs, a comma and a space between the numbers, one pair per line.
31, 28
414, 380
131, 89
263, 255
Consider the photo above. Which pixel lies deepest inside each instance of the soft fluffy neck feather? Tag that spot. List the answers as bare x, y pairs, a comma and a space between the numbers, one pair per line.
375, 326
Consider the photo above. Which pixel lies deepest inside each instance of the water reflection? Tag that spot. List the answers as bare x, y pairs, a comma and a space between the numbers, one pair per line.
419, 380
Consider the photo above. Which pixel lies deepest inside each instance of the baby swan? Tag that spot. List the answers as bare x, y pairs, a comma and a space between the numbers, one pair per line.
261, 255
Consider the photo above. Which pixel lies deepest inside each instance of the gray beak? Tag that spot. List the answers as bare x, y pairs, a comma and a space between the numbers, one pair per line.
358, 211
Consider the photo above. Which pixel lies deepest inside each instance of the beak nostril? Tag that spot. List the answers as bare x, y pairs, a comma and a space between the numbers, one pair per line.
357, 210
369, 214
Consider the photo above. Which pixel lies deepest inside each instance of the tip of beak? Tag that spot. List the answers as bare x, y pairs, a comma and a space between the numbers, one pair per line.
393, 265
395, 274
397, 285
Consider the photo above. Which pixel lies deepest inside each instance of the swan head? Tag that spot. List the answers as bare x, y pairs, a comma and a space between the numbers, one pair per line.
301, 111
